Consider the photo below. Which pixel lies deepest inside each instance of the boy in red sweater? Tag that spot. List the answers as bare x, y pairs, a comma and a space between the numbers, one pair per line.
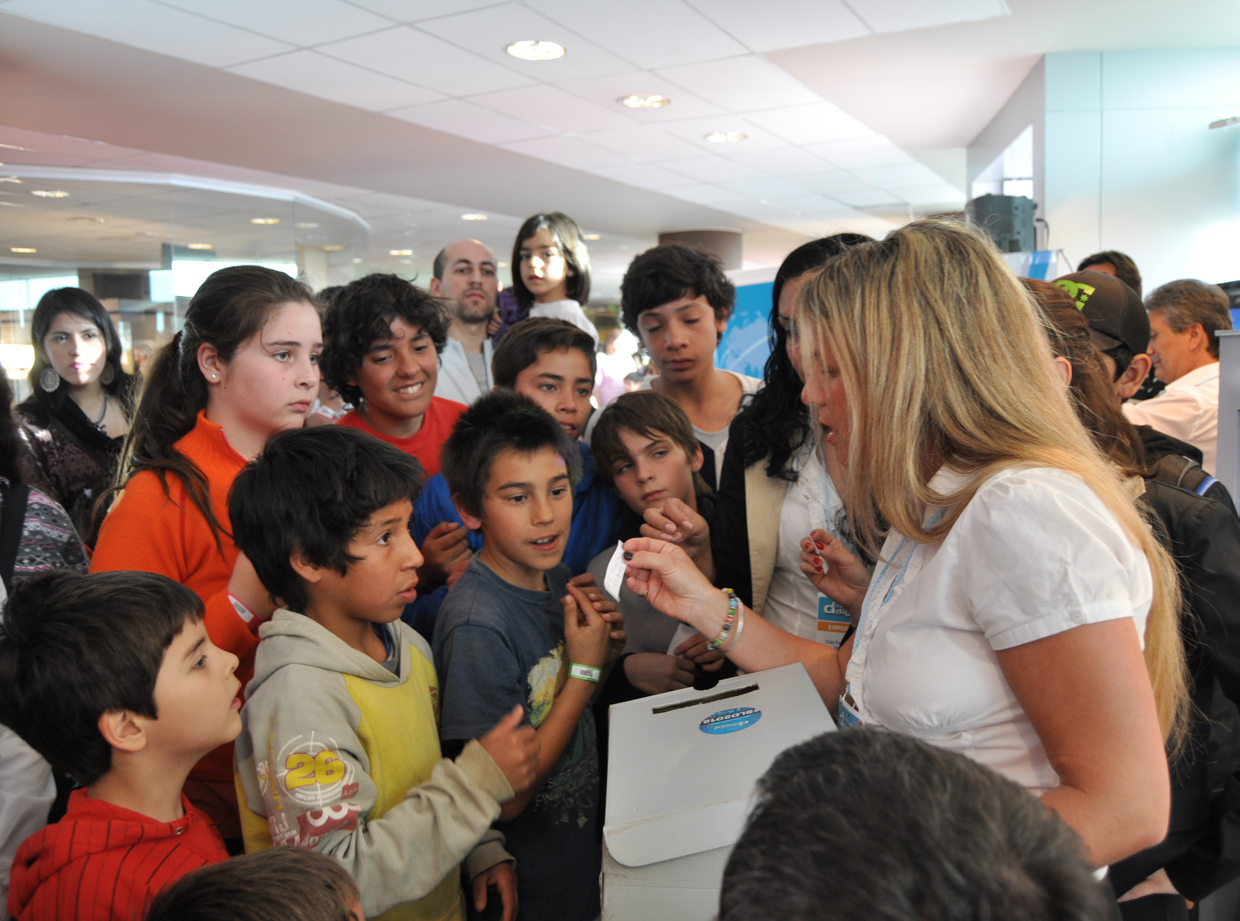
112, 678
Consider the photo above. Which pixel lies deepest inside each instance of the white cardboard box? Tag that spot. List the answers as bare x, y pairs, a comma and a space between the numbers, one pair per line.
680, 784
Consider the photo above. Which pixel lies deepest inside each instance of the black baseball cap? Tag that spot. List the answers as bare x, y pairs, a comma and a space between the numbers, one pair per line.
1113, 310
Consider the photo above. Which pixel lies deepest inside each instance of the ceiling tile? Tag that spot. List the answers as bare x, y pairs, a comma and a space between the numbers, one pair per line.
812, 206
901, 15
568, 151
553, 108
780, 161
868, 198
798, 23
644, 176
414, 10
741, 84
713, 169
649, 33
609, 90
813, 124
831, 182
706, 194
457, 116
861, 152
411, 55
489, 32
153, 27
328, 78
767, 187
642, 142
299, 22
906, 175
943, 193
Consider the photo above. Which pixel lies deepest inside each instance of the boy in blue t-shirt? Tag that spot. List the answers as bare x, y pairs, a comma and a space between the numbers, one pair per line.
553, 363
512, 631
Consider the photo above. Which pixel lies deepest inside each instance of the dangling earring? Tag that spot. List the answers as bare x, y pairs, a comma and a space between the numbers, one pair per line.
108, 375
49, 380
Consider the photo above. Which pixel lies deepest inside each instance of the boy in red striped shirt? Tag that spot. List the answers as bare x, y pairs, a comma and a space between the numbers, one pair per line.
112, 678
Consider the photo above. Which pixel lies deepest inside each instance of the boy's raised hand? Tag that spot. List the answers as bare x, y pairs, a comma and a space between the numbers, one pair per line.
586, 634
514, 749
444, 547
607, 609
676, 523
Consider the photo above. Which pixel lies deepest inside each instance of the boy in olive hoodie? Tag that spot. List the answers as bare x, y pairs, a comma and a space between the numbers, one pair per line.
339, 748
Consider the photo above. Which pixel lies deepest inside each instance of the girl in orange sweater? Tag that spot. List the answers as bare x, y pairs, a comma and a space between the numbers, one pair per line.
244, 367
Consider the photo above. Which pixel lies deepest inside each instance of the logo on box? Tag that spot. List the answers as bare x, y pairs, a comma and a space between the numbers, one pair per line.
726, 721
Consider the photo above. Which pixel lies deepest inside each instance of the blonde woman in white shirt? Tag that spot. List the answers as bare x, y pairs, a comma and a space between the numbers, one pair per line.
1017, 582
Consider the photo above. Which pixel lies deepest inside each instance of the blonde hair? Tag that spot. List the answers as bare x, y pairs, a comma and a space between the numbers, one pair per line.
945, 361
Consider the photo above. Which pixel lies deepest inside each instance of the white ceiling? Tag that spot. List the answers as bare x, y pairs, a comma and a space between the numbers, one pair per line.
410, 111
444, 66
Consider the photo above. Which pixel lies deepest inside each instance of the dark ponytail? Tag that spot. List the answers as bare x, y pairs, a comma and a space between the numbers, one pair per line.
230, 307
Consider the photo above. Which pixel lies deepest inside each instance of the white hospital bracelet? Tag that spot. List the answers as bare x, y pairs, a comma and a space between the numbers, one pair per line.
585, 672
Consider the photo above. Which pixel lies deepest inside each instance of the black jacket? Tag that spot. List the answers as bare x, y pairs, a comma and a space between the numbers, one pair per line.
1202, 849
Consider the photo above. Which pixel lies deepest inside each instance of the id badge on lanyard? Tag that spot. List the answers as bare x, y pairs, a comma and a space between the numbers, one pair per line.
849, 716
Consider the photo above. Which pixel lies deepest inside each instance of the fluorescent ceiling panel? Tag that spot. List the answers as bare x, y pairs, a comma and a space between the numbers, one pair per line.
649, 33
489, 32
820, 123
553, 108
153, 27
798, 22
339, 81
458, 116
902, 15
408, 54
607, 91
299, 22
643, 142
741, 84
644, 176
568, 151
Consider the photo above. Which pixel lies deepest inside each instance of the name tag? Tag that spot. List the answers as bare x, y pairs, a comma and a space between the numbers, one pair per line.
849, 716
833, 622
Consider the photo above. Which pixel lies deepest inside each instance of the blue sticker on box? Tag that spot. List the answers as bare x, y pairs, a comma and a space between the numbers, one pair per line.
726, 721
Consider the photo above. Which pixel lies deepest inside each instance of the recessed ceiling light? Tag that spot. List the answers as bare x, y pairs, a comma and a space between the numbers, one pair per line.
333, 248
22, 249
536, 51
12, 179
645, 102
503, 265
590, 236
357, 261
264, 220
88, 220
307, 225
726, 137
473, 217
49, 193
400, 252
199, 246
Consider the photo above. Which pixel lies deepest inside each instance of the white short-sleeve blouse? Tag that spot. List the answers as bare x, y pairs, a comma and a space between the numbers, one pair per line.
1033, 554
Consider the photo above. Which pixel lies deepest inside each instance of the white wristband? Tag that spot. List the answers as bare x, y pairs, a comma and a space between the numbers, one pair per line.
585, 672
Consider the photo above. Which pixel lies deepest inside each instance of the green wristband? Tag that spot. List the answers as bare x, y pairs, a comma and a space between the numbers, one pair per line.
585, 672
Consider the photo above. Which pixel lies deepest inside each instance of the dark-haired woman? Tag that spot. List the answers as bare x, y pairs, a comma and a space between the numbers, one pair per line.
778, 483
244, 367
81, 402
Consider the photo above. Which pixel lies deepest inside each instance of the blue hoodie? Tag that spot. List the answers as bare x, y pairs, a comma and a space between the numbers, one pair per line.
597, 511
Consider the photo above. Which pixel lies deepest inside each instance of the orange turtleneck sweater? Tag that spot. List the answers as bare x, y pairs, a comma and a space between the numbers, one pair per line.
149, 531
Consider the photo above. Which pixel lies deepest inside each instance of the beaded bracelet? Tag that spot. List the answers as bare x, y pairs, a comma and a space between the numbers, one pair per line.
736, 637
734, 606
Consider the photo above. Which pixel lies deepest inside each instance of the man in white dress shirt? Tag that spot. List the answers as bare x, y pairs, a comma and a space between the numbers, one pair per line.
1184, 317
466, 281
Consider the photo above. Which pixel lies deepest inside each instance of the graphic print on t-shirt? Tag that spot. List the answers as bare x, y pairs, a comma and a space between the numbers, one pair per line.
570, 790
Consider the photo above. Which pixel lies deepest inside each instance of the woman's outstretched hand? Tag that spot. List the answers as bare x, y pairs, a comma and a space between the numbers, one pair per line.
669, 580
